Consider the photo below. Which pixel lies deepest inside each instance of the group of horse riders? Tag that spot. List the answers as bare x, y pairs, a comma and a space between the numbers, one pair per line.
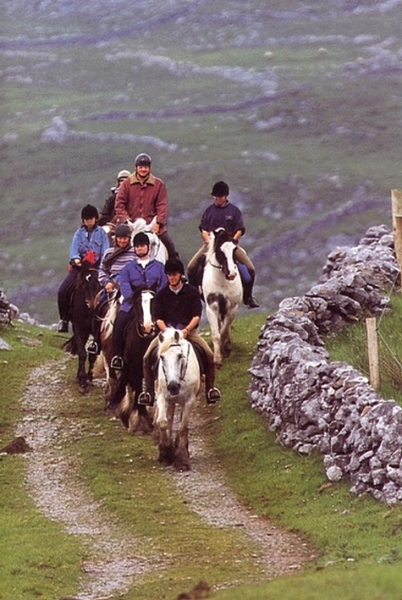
128, 264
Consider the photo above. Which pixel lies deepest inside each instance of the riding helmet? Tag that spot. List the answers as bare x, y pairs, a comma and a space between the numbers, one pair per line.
141, 239
174, 265
121, 175
143, 160
220, 189
89, 212
122, 231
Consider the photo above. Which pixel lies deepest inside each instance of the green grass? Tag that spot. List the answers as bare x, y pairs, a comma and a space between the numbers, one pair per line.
356, 541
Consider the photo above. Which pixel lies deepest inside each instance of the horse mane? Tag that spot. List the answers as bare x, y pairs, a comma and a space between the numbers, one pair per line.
219, 236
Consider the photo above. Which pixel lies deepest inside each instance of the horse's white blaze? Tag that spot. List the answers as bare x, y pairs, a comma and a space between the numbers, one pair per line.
228, 249
146, 299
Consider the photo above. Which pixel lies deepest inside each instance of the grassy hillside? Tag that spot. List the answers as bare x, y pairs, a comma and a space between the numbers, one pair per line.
295, 105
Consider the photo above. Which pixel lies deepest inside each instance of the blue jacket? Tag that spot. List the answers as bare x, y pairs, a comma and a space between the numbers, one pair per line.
134, 275
84, 241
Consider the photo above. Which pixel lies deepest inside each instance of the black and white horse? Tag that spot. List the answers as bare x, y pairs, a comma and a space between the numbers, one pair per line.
222, 290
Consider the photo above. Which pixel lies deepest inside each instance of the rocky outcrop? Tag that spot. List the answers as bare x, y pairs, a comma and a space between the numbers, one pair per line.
314, 404
8, 311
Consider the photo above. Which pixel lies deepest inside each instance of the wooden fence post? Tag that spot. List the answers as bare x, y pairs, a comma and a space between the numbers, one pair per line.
372, 344
397, 223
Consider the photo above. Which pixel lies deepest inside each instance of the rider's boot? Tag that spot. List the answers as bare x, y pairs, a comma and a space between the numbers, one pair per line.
94, 346
248, 298
212, 392
63, 326
147, 396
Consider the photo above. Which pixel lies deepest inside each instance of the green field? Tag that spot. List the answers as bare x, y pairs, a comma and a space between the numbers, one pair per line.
296, 105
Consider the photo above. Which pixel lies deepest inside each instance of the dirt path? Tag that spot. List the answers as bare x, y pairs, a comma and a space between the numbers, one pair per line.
62, 496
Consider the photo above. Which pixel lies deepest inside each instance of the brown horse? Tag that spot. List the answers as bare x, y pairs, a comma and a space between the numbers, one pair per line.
139, 333
83, 301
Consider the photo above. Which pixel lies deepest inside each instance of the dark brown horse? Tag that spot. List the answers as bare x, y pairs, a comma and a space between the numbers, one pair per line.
84, 297
138, 335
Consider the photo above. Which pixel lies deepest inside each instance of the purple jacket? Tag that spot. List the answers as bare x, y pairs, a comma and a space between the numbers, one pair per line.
134, 275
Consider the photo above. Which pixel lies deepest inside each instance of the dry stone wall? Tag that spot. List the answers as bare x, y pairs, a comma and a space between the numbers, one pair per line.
314, 404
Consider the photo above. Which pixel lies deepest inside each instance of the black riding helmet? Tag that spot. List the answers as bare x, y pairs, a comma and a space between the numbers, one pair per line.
143, 159
141, 239
89, 212
174, 265
220, 189
122, 231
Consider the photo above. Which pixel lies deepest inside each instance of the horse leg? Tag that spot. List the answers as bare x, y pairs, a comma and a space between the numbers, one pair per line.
182, 455
214, 325
83, 386
225, 342
164, 424
91, 364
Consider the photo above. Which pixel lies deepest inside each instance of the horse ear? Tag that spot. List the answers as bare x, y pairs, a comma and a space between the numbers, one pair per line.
176, 336
160, 337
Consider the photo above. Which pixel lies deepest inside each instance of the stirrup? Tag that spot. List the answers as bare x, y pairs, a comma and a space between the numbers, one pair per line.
213, 395
145, 399
117, 363
92, 347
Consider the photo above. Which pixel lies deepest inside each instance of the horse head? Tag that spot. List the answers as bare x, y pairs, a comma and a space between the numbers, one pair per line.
173, 356
87, 281
142, 304
224, 248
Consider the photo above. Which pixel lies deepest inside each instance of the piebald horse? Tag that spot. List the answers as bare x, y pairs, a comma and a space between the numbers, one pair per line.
178, 384
222, 291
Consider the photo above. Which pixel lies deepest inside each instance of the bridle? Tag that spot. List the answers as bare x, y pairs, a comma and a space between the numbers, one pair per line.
183, 358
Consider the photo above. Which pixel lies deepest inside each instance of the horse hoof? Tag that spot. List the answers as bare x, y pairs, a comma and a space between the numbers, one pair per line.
83, 389
110, 411
182, 468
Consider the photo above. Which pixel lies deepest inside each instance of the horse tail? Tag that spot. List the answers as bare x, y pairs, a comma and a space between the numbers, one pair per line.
70, 346
99, 367
119, 392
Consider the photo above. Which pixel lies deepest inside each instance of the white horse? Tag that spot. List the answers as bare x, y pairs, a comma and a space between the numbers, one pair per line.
157, 248
222, 290
178, 383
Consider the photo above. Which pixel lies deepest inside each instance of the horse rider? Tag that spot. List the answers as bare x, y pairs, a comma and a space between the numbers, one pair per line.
222, 213
142, 195
142, 271
179, 305
89, 244
107, 213
112, 263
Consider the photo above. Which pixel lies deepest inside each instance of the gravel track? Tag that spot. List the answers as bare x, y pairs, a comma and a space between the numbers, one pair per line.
54, 482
